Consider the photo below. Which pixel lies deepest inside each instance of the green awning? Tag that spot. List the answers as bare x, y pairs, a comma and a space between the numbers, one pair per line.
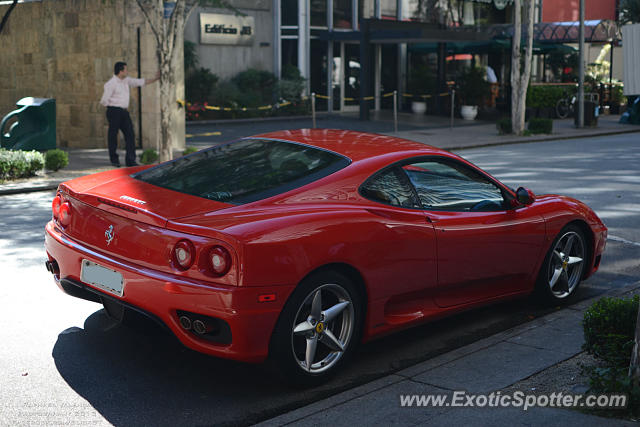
489, 46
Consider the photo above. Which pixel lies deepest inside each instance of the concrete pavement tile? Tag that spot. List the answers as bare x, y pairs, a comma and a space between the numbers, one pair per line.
332, 401
492, 368
475, 346
563, 335
514, 417
380, 407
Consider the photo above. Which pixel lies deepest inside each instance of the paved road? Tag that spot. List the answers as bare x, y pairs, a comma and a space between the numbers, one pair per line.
63, 362
202, 136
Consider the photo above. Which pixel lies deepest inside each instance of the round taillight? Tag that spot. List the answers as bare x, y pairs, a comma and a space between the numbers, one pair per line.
219, 260
64, 213
184, 253
55, 206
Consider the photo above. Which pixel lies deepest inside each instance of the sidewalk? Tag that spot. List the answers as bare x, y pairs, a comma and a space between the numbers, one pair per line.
488, 365
432, 130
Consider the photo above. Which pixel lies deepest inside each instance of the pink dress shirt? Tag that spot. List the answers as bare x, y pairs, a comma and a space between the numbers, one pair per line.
116, 91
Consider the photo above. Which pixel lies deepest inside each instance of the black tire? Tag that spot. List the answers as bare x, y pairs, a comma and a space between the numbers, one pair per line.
285, 344
568, 281
562, 108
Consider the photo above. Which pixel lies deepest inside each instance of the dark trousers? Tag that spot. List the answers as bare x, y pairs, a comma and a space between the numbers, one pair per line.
119, 119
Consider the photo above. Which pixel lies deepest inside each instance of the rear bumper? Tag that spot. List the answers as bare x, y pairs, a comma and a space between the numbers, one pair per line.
161, 296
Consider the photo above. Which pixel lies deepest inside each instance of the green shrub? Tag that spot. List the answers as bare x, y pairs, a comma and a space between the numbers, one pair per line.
292, 85
200, 84
504, 126
422, 82
609, 328
540, 125
149, 156
189, 150
55, 159
19, 164
541, 96
256, 87
472, 86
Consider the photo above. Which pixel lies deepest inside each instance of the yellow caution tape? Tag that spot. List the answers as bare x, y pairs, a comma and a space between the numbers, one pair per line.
321, 96
386, 95
191, 135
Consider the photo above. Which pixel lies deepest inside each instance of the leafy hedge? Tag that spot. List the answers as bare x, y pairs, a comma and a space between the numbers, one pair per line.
149, 156
55, 159
504, 126
609, 329
540, 125
19, 164
248, 89
547, 96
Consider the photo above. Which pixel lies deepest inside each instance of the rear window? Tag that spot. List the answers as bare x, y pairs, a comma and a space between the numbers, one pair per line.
245, 171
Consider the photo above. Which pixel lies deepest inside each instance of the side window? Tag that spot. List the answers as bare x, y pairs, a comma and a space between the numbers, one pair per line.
448, 185
390, 187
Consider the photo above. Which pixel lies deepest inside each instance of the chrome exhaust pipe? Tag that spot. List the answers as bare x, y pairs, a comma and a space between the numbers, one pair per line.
52, 267
199, 327
185, 322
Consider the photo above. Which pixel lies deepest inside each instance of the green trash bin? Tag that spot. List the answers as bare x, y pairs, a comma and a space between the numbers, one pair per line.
34, 128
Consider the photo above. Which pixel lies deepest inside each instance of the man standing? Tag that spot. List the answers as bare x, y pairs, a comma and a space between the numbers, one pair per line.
116, 99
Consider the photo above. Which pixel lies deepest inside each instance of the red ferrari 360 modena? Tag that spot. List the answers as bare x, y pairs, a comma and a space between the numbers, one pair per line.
295, 246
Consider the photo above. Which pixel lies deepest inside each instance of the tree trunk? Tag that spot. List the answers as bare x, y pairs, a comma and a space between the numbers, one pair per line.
634, 367
165, 150
520, 77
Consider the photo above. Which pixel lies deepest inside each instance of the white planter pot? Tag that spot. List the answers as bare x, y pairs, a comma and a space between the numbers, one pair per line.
418, 107
469, 112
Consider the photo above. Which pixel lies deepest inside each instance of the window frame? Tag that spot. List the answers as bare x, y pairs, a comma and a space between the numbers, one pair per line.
507, 194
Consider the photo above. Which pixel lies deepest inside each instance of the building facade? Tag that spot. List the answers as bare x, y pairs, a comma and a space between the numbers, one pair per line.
323, 39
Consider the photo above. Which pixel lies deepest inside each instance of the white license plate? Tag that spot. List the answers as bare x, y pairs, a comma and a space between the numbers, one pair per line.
102, 277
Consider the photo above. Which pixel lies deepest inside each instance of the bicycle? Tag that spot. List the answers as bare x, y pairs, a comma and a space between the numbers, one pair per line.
566, 106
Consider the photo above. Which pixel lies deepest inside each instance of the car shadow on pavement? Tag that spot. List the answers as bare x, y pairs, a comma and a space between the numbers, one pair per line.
143, 375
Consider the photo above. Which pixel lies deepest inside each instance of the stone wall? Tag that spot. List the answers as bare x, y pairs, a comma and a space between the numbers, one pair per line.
65, 49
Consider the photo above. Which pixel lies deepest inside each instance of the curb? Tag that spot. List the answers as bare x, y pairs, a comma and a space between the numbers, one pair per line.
550, 137
299, 414
35, 188
251, 120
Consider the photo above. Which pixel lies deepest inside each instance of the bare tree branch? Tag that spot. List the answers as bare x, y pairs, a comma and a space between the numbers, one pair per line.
6, 15
149, 20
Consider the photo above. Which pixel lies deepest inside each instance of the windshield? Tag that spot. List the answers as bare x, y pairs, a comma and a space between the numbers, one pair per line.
245, 171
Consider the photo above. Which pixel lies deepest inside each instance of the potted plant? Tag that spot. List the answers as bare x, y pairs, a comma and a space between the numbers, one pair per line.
422, 82
473, 89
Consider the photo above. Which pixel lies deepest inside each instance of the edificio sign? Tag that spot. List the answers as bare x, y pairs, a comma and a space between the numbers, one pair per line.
216, 28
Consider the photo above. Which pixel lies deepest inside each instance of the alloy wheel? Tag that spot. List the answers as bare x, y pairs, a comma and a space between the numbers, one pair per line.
566, 264
322, 328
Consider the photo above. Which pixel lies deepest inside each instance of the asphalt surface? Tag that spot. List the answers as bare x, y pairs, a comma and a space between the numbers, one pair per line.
205, 134
63, 362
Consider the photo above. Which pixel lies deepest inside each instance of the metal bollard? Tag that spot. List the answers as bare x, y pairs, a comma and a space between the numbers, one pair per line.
313, 109
395, 111
453, 103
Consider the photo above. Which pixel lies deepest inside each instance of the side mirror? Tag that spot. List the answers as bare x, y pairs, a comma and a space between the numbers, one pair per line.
525, 196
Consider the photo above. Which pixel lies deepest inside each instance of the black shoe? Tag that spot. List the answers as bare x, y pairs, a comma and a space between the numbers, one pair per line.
130, 165
115, 164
